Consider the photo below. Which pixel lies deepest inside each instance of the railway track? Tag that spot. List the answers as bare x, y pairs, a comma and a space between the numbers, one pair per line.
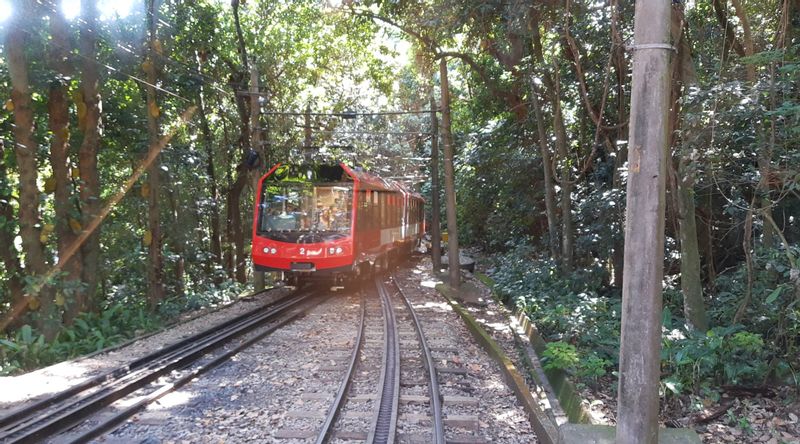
43, 420
390, 362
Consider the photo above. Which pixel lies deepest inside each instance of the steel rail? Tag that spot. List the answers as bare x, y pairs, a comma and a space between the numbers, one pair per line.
110, 423
65, 416
15, 416
384, 424
338, 402
435, 393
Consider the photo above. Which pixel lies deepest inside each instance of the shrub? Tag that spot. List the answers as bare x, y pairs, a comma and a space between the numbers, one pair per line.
560, 356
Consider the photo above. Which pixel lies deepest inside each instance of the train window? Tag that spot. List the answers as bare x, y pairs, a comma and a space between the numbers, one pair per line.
393, 211
400, 202
399, 209
291, 211
396, 220
367, 210
383, 210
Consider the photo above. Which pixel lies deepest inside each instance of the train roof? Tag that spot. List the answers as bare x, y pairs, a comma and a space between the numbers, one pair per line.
378, 182
337, 173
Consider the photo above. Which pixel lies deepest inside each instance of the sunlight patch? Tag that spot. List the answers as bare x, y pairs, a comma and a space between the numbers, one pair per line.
430, 284
496, 326
171, 400
444, 306
5, 10
51, 380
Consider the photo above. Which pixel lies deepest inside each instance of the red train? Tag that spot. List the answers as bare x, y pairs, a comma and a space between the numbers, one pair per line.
332, 221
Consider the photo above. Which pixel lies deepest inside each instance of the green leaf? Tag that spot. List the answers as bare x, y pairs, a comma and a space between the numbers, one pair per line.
27, 334
9, 344
673, 385
666, 318
774, 295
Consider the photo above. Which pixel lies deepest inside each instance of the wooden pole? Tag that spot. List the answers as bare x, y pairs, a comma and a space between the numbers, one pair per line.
637, 416
255, 140
449, 182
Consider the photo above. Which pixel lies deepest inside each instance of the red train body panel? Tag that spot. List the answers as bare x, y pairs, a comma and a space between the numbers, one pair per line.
331, 220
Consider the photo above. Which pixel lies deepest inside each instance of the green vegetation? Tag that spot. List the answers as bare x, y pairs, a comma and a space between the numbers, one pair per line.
91, 332
540, 114
92, 94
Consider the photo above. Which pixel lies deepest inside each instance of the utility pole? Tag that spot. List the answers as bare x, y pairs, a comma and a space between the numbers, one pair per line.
436, 225
307, 140
639, 363
255, 140
453, 264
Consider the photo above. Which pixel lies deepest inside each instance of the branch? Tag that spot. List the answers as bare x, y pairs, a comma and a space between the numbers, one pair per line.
517, 105
431, 45
720, 8
511, 59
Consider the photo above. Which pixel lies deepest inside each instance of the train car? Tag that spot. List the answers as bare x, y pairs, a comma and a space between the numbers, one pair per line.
332, 222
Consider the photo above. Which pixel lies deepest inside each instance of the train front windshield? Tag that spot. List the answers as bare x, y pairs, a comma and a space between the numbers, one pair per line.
305, 212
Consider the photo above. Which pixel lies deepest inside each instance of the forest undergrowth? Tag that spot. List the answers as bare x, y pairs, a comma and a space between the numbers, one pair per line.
125, 317
703, 374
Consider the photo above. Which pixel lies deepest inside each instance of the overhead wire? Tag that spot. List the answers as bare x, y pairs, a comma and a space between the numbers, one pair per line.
214, 82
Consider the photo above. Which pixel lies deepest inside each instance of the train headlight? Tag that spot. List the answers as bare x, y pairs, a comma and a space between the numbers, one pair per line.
338, 250
266, 250
273, 251
331, 250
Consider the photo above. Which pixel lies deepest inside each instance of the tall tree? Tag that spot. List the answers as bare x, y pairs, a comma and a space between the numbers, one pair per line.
89, 105
552, 89
239, 85
549, 184
682, 180
66, 221
155, 269
8, 251
215, 246
26, 150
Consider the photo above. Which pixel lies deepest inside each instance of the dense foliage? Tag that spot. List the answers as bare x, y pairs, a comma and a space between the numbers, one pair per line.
110, 84
540, 112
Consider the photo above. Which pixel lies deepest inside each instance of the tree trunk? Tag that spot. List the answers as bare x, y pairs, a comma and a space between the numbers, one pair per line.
71, 294
682, 187
215, 246
621, 72
549, 184
87, 156
449, 182
8, 252
562, 153
436, 224
176, 240
155, 270
567, 229
691, 283
765, 150
234, 229
36, 267
639, 366
234, 197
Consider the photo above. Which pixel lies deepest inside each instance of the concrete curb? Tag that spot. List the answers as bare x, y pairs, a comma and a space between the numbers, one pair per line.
566, 393
546, 430
579, 430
